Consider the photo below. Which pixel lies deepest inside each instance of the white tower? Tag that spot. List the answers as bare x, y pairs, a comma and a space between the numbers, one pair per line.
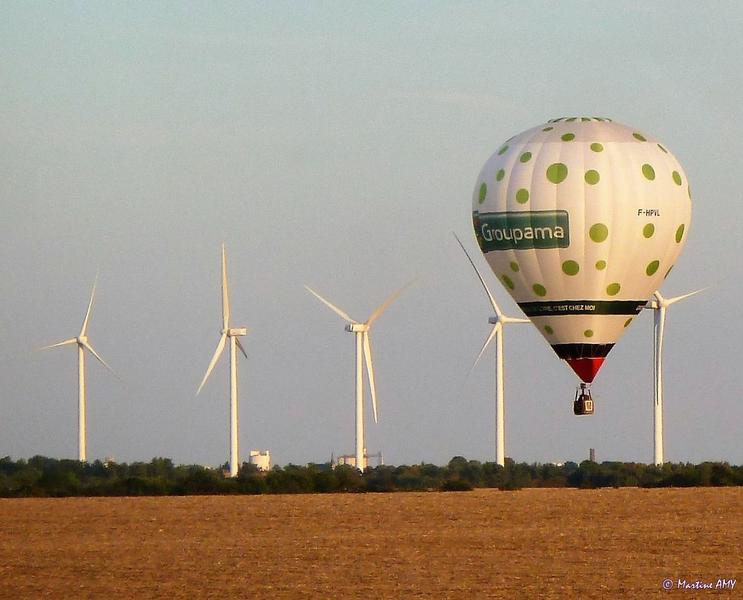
233, 334
83, 344
498, 322
659, 305
363, 355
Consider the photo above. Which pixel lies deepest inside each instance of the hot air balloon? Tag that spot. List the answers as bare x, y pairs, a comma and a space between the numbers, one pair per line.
581, 219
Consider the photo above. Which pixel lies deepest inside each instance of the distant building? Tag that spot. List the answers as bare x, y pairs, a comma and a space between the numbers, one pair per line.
350, 459
261, 459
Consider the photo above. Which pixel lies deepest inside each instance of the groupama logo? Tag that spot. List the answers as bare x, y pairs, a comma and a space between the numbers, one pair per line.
522, 230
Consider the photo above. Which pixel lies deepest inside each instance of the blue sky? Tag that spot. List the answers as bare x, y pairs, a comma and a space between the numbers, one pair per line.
337, 145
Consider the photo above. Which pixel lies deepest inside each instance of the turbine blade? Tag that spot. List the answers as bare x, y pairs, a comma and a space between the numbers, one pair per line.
239, 345
90, 349
84, 328
330, 305
493, 303
660, 332
386, 304
489, 339
225, 292
215, 358
677, 298
57, 345
370, 374
514, 320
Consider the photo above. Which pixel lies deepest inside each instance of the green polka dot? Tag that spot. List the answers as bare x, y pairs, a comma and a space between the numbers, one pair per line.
600, 265
567, 137
592, 177
570, 267
588, 333
662, 148
548, 129
548, 330
539, 289
648, 230
679, 234
639, 136
627, 322
598, 232
596, 147
525, 157
483, 193
648, 171
522, 196
571, 119
585, 119
500, 175
515, 267
613, 289
508, 281
652, 267
676, 177
557, 172
502, 150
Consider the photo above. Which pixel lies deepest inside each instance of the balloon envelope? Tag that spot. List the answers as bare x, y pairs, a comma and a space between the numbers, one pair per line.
581, 219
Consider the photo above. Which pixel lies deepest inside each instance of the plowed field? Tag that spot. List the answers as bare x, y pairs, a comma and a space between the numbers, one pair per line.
484, 544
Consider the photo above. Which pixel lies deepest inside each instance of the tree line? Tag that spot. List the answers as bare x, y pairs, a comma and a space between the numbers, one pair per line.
48, 477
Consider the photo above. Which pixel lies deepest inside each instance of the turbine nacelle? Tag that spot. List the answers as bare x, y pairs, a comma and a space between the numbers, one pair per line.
82, 340
235, 331
657, 301
357, 327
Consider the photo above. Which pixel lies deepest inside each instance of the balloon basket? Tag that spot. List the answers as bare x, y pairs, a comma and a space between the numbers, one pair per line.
583, 403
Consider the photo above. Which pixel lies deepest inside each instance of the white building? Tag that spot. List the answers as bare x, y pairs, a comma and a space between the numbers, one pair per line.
350, 460
261, 459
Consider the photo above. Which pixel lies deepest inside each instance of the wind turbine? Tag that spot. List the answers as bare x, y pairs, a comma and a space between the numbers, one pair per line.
498, 322
659, 305
363, 354
233, 334
83, 344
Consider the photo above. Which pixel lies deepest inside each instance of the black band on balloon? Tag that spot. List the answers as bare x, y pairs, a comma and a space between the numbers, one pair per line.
582, 307
567, 351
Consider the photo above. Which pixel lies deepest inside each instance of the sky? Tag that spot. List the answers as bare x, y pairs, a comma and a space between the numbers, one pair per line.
337, 145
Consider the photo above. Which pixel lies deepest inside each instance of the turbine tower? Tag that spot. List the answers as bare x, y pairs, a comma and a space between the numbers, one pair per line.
83, 344
233, 334
363, 354
659, 305
498, 321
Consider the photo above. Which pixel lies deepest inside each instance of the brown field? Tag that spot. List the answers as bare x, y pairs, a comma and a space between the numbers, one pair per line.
484, 544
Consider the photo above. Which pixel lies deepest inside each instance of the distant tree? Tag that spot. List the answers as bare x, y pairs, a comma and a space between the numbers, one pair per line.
380, 479
349, 479
42, 476
456, 485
